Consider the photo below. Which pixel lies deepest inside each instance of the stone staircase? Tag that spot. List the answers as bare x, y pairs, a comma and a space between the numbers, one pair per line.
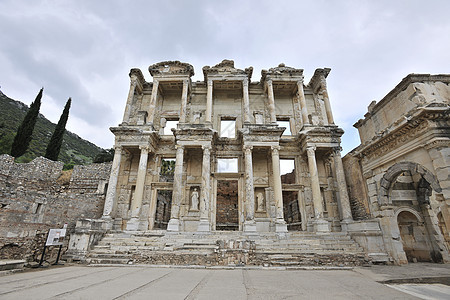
225, 248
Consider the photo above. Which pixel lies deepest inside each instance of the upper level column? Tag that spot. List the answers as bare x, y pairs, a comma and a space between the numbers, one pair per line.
204, 224
177, 193
246, 101
209, 98
112, 184
323, 86
301, 96
151, 108
184, 95
273, 118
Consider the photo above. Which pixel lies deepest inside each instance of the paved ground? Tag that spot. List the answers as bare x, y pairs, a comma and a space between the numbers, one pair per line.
144, 282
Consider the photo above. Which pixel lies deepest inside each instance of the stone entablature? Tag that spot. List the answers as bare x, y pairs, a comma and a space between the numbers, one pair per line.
271, 122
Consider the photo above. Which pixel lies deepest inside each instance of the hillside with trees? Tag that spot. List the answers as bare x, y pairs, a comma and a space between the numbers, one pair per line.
74, 150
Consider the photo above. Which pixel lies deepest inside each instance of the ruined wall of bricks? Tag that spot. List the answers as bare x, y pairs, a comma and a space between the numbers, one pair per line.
39, 195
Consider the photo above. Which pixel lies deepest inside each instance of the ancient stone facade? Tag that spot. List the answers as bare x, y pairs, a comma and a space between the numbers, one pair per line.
38, 195
399, 175
227, 153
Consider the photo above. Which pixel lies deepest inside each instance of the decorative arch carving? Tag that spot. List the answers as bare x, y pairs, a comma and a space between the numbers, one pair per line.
392, 173
410, 210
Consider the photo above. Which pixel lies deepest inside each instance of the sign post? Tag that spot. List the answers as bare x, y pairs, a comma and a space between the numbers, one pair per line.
55, 237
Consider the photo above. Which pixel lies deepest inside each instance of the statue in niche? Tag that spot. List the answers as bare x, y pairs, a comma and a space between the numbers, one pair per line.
260, 201
194, 199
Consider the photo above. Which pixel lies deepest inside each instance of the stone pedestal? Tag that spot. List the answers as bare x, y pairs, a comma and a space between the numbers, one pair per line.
174, 225
203, 226
133, 224
249, 226
321, 225
281, 227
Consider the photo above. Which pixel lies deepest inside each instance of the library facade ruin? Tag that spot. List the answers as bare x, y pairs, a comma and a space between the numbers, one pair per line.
227, 153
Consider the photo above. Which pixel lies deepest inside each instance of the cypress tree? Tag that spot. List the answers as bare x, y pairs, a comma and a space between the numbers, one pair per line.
25, 131
54, 146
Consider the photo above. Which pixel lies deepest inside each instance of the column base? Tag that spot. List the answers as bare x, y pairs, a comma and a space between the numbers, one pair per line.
203, 226
133, 224
281, 226
108, 222
321, 225
249, 226
174, 225
344, 224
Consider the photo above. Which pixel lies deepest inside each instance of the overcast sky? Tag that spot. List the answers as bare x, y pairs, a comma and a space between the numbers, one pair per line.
85, 49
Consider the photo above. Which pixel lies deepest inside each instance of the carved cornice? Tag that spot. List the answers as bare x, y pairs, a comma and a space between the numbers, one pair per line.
171, 68
138, 74
226, 67
391, 138
319, 79
281, 70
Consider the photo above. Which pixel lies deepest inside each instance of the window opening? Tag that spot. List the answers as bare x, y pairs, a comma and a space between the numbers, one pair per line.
167, 170
228, 129
169, 125
227, 165
287, 124
287, 171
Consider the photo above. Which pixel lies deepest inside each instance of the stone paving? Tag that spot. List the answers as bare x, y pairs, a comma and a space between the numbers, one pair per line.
144, 282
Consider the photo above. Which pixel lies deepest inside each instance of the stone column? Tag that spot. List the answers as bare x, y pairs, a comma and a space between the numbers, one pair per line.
273, 117
136, 204
127, 112
184, 95
112, 184
320, 223
277, 190
209, 98
301, 97
177, 193
204, 224
323, 86
246, 101
151, 108
346, 212
249, 224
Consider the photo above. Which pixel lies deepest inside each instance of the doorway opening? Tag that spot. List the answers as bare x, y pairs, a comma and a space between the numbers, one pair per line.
414, 237
227, 210
163, 207
291, 211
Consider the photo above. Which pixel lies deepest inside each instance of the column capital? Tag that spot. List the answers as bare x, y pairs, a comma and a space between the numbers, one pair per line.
337, 150
144, 148
248, 147
210, 82
245, 81
275, 149
178, 147
118, 149
206, 147
310, 150
269, 81
155, 81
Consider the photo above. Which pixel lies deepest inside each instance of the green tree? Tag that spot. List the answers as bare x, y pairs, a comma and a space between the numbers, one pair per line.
54, 146
25, 131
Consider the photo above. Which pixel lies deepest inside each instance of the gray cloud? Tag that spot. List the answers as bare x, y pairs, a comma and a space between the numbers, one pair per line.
84, 49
